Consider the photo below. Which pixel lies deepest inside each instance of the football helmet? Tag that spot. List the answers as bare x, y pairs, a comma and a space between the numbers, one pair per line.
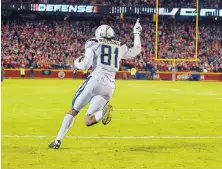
105, 31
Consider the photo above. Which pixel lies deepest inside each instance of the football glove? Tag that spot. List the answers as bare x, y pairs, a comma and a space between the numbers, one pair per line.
137, 27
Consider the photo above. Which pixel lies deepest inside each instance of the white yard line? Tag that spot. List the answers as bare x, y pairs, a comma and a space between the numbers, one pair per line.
198, 93
117, 137
170, 119
135, 109
142, 119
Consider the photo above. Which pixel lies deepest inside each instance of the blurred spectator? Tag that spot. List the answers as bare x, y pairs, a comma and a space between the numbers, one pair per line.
22, 72
31, 72
2, 73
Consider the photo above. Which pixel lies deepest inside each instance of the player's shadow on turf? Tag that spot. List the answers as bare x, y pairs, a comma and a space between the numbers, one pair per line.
67, 148
162, 149
150, 149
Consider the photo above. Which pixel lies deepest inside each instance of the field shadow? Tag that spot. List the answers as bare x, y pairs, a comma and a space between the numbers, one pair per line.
165, 148
144, 148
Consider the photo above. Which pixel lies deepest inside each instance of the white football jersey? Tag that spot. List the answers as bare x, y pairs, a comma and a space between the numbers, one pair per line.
106, 55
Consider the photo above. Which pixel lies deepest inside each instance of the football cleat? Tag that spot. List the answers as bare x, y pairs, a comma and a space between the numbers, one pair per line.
107, 114
55, 144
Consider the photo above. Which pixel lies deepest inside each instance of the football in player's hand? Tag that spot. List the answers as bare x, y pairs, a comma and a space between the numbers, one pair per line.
80, 58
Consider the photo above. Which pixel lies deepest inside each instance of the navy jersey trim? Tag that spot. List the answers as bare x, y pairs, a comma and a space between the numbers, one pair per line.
80, 90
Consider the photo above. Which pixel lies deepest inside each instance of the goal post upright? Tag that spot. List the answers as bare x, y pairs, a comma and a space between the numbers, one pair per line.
157, 29
174, 61
197, 29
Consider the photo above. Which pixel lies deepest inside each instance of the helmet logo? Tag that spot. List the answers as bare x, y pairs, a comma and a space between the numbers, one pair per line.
107, 28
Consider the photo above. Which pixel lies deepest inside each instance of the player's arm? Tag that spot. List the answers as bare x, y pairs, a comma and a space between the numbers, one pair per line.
85, 62
136, 49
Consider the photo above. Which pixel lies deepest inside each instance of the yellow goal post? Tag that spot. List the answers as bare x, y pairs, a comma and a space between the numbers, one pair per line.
195, 59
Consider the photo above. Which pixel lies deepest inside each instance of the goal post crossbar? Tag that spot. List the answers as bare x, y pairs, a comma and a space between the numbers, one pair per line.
178, 60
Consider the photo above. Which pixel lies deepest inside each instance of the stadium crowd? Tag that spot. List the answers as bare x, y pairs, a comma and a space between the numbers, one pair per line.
55, 44
162, 3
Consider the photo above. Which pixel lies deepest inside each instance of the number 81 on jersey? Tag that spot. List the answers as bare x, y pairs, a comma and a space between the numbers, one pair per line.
108, 55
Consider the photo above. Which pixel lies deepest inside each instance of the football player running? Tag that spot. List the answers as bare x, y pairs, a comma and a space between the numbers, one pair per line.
103, 53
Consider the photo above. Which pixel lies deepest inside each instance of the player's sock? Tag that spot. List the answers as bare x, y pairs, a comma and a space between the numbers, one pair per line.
66, 124
99, 115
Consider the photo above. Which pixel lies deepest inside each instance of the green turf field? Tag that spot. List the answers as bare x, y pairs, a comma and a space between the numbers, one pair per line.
156, 124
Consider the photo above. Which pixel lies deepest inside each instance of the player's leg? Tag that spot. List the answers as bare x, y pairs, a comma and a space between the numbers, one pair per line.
96, 110
81, 98
70, 116
105, 114
99, 107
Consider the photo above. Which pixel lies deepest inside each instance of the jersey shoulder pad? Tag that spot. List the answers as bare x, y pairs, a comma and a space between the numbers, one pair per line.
91, 42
